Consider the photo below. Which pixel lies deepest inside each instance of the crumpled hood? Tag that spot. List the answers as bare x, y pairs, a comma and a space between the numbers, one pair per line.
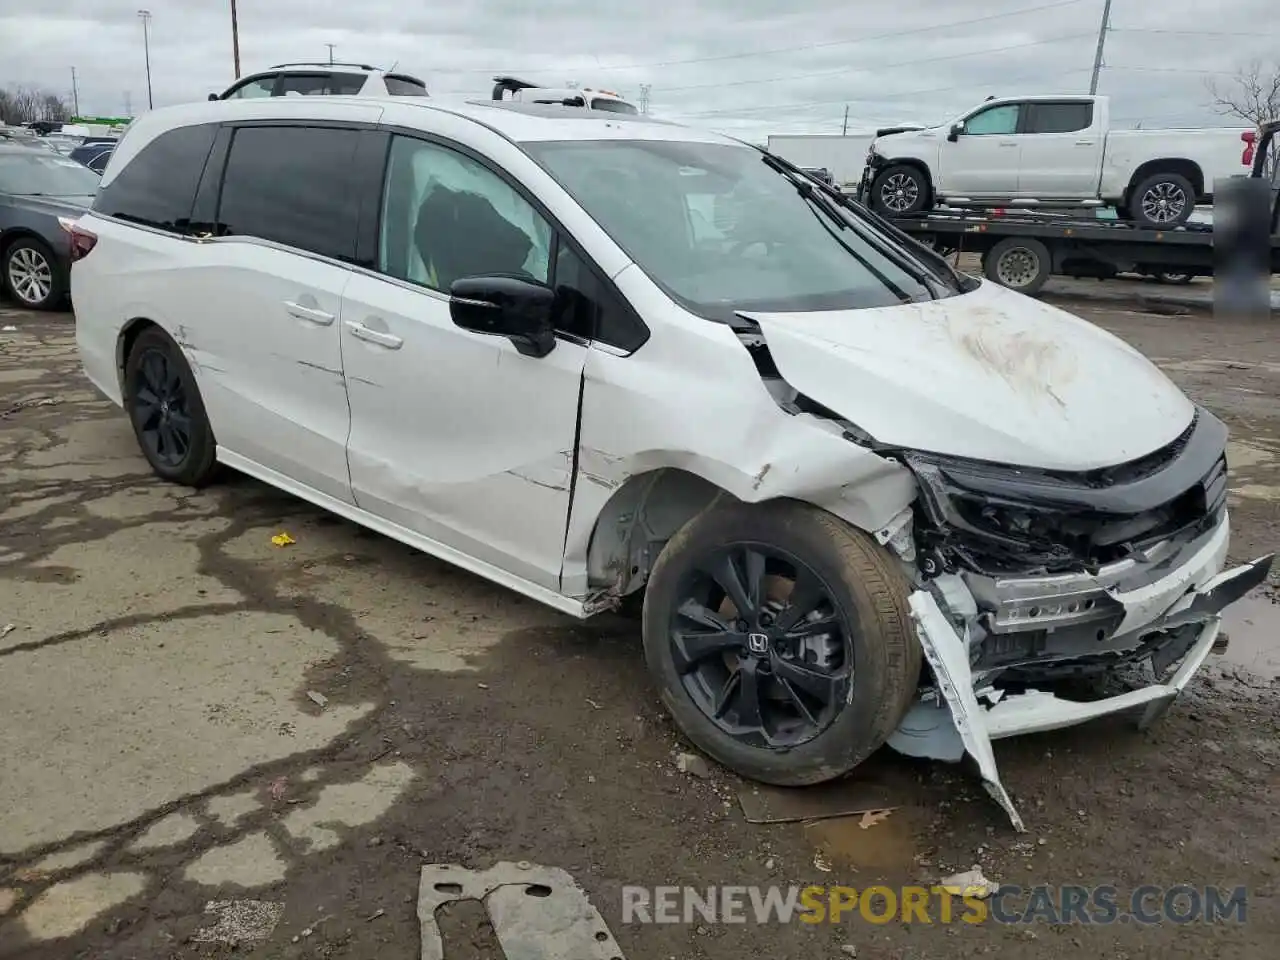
988, 375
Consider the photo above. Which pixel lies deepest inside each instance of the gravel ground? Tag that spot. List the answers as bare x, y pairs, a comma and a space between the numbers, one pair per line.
190, 713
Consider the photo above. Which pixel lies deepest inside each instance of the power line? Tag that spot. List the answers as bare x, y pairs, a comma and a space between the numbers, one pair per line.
1193, 33
894, 35
879, 99
1216, 73
879, 66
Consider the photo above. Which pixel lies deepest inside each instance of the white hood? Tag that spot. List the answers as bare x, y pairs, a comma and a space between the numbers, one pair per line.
988, 375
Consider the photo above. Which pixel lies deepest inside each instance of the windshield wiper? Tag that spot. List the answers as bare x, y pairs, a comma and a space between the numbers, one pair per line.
902, 258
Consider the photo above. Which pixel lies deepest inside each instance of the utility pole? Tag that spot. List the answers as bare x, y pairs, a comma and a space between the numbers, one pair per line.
75, 95
330, 46
145, 16
644, 98
1102, 40
844, 130
235, 38
128, 104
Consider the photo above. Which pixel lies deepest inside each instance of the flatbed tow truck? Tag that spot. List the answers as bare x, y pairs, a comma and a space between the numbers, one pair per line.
1022, 248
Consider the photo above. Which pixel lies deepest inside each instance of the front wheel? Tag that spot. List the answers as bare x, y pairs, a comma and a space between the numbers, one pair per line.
899, 191
780, 640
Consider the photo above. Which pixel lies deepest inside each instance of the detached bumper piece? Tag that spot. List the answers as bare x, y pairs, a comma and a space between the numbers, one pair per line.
971, 718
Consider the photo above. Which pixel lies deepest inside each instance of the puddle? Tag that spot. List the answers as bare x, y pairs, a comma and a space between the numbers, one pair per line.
1253, 626
889, 844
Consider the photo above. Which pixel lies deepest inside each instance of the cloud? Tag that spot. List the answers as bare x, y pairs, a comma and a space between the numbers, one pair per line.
740, 66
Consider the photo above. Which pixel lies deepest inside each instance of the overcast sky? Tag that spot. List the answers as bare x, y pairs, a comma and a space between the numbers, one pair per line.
748, 67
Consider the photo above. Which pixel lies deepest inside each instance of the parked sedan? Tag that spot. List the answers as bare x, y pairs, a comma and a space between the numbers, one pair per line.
36, 188
94, 154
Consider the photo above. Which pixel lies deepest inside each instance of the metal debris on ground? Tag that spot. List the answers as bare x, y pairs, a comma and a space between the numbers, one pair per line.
693, 765
7, 629
821, 863
872, 817
282, 539
9, 329
319, 699
24, 404
828, 801
240, 920
538, 913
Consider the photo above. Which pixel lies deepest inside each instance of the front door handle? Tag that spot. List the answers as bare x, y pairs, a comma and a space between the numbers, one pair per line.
388, 340
1084, 143
1008, 143
308, 313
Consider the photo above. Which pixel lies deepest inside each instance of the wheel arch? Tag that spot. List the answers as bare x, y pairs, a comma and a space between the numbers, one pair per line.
129, 333
1179, 165
8, 237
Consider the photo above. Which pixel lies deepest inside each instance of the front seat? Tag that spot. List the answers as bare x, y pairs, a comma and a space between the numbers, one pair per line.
460, 234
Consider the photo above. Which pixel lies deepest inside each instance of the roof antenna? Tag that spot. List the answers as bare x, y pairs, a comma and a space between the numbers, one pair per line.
393, 67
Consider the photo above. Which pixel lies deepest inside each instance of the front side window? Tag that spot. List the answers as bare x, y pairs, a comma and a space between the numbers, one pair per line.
721, 231
292, 185
994, 121
37, 174
446, 216
259, 87
157, 187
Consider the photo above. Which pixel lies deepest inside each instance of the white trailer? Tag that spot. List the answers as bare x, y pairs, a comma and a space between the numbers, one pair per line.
844, 156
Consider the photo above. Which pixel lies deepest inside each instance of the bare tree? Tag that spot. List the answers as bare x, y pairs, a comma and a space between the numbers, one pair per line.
24, 104
1252, 95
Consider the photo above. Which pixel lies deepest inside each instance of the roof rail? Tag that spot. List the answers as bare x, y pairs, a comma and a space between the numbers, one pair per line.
320, 63
503, 85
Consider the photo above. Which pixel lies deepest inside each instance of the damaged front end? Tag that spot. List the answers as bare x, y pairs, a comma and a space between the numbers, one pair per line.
1030, 579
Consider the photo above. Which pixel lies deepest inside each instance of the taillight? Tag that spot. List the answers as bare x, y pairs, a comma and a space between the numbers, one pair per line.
82, 240
1250, 138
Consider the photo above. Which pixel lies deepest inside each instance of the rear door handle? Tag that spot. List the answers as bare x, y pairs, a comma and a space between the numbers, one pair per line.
1084, 143
308, 313
1008, 143
388, 340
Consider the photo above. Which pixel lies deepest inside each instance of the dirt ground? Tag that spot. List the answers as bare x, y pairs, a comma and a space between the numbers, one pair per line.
190, 714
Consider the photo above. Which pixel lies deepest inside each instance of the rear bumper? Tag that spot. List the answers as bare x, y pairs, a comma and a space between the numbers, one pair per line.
964, 714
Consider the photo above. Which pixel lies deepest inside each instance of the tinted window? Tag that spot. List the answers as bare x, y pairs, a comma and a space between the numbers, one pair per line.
158, 185
613, 106
588, 307
292, 185
345, 84
445, 216
1001, 120
1058, 117
259, 87
405, 87
303, 85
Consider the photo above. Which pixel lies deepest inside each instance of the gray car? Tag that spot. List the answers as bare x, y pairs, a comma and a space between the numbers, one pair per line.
36, 188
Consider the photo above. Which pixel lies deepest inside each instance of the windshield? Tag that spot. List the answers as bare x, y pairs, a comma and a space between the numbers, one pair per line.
721, 231
47, 175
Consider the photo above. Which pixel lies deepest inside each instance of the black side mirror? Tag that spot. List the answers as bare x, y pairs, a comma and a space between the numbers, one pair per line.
954, 133
505, 306
213, 96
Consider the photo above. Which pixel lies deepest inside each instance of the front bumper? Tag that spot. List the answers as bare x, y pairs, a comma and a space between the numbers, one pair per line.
963, 714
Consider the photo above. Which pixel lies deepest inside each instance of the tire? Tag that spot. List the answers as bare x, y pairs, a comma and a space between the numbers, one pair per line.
32, 275
906, 187
1019, 263
1144, 207
866, 595
1177, 279
177, 402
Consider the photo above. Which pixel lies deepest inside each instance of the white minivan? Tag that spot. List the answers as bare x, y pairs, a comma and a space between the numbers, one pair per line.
864, 499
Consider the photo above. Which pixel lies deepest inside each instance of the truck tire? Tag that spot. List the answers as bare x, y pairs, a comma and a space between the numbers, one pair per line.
811, 670
1162, 201
900, 191
1019, 263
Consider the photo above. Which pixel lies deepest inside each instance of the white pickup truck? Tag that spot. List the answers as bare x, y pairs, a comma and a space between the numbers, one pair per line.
1053, 150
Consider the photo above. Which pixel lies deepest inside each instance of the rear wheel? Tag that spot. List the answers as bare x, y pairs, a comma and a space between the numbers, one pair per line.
167, 412
1019, 263
32, 275
780, 640
1162, 200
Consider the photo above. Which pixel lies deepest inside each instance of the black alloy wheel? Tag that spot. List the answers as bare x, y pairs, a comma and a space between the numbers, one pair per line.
761, 647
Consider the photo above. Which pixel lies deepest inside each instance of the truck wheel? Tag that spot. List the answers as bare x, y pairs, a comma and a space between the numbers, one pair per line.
780, 640
900, 190
1180, 279
1162, 200
1019, 263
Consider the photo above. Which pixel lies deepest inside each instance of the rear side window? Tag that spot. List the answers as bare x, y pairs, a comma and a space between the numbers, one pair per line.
292, 185
345, 84
158, 186
1058, 117
401, 86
